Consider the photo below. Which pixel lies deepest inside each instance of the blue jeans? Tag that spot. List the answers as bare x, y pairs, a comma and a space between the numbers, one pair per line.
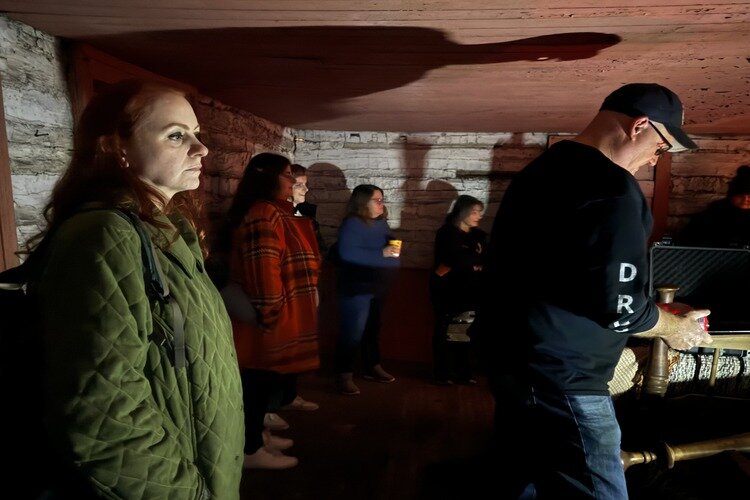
568, 446
359, 317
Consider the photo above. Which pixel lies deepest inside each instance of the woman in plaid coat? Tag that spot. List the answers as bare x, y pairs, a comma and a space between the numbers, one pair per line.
275, 258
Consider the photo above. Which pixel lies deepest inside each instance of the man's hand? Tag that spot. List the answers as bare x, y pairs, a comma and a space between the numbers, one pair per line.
680, 332
686, 331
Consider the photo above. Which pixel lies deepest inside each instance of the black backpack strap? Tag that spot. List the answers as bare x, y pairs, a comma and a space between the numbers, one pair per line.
15, 278
19, 277
157, 287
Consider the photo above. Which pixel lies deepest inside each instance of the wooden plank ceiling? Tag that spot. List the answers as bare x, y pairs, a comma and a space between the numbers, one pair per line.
429, 65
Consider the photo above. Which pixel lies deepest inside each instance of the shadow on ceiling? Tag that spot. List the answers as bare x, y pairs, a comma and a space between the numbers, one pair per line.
308, 70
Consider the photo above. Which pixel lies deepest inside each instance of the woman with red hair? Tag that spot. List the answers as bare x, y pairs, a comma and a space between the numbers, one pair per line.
142, 392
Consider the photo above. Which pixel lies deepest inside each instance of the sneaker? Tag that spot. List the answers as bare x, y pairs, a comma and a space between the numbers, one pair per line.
301, 405
271, 442
274, 422
379, 375
442, 381
265, 459
345, 384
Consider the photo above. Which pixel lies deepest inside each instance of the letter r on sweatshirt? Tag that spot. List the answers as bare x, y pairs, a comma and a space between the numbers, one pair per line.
623, 302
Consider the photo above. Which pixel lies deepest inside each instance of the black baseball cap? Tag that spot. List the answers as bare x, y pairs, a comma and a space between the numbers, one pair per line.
658, 103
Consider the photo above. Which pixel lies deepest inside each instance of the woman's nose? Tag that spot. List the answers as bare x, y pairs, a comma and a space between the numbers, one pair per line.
198, 149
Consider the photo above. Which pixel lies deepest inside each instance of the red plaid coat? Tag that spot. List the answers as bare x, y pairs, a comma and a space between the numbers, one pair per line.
275, 258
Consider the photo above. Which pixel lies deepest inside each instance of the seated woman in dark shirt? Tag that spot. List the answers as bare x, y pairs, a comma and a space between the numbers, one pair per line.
726, 222
455, 286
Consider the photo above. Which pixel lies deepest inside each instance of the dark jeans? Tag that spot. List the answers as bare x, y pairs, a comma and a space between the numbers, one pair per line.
286, 392
288, 388
360, 327
258, 387
450, 360
568, 445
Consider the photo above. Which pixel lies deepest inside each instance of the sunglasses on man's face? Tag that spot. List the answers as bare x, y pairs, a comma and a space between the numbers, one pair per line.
663, 148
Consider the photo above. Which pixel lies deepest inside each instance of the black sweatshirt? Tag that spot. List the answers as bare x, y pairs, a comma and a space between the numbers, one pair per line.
567, 271
463, 252
721, 225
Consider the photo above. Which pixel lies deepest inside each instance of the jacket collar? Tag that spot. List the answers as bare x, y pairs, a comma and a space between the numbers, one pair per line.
178, 241
286, 207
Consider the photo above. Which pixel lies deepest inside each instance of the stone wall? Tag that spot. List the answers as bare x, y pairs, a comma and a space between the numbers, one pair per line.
40, 128
421, 175
38, 118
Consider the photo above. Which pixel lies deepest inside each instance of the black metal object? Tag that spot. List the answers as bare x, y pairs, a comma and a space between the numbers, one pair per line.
713, 278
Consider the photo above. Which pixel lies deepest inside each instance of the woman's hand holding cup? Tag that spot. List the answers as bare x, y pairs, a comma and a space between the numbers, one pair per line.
393, 249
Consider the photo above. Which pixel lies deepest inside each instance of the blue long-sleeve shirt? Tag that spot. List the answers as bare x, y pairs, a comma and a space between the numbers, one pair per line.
360, 247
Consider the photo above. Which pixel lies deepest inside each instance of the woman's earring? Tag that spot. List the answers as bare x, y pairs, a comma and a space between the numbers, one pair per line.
124, 161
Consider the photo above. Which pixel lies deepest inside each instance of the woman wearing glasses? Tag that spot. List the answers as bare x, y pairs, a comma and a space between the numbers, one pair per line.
275, 259
365, 259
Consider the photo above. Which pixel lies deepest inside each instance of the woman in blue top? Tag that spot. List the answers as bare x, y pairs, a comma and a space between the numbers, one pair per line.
365, 258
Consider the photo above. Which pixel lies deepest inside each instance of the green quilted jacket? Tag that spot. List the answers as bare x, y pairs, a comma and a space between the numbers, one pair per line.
136, 426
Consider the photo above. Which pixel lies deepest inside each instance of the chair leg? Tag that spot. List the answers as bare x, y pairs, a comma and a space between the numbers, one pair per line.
714, 367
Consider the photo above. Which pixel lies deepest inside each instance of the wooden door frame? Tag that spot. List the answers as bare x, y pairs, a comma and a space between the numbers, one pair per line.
662, 192
8, 238
89, 66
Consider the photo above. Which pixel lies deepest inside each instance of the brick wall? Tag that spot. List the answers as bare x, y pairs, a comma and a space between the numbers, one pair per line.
233, 136
703, 176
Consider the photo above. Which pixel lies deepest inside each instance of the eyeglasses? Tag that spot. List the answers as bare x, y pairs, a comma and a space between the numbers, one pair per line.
667, 145
377, 201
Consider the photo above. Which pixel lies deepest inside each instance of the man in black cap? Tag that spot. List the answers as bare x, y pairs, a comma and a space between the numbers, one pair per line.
567, 271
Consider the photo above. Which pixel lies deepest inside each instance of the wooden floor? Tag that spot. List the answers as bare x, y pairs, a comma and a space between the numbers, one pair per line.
415, 440
384, 443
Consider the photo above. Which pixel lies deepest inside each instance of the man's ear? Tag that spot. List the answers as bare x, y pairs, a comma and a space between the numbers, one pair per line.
637, 125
